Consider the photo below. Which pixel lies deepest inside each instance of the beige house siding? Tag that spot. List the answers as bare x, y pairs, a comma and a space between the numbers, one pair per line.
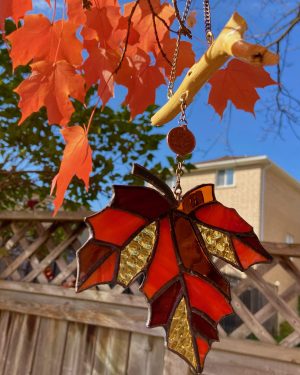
244, 195
281, 217
281, 207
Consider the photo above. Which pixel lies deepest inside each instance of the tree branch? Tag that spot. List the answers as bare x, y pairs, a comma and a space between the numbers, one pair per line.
156, 34
293, 23
183, 29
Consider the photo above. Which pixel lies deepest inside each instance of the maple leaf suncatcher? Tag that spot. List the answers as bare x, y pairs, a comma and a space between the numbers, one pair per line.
171, 242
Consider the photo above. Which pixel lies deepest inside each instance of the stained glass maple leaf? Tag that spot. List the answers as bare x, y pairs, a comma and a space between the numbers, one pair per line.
147, 231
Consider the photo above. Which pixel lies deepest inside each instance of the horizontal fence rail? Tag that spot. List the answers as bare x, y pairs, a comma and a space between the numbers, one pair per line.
37, 299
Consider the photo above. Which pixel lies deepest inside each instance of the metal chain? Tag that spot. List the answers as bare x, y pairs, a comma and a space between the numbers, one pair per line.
176, 51
179, 170
182, 119
179, 173
207, 22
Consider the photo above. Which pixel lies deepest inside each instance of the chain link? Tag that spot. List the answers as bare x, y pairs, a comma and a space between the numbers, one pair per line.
179, 173
182, 119
176, 51
207, 22
179, 170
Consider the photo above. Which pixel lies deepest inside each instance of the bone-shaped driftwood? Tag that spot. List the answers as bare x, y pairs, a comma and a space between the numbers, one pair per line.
229, 43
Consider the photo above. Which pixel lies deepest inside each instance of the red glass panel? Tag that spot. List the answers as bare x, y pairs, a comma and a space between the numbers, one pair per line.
115, 226
246, 255
204, 327
90, 255
102, 274
203, 348
164, 265
193, 256
206, 298
141, 200
253, 242
162, 306
219, 216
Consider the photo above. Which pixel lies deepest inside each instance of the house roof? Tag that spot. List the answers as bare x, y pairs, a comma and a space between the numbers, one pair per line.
232, 161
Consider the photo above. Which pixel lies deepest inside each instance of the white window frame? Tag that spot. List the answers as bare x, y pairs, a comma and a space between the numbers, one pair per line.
225, 185
289, 239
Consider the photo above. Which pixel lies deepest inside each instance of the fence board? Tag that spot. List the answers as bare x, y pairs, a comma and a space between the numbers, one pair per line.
22, 345
79, 355
146, 355
49, 352
111, 352
6, 330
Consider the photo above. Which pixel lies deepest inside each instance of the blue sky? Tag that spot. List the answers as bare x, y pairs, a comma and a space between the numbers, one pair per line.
238, 133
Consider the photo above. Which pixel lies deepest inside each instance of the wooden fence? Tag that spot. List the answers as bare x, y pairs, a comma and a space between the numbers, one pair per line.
45, 328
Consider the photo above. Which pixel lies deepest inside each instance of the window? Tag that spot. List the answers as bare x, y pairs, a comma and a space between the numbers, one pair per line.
289, 239
225, 177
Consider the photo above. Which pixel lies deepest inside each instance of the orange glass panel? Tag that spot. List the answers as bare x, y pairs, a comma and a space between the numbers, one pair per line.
192, 254
115, 226
140, 200
89, 255
196, 198
206, 298
246, 255
204, 327
162, 306
203, 348
164, 264
103, 274
219, 216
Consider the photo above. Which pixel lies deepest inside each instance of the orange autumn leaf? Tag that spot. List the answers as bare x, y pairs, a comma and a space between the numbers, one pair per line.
99, 67
47, 41
141, 79
76, 161
186, 57
237, 82
51, 86
14, 9
142, 21
102, 24
192, 19
75, 11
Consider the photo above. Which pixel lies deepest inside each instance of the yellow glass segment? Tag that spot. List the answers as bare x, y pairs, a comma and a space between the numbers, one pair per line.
217, 243
136, 254
180, 339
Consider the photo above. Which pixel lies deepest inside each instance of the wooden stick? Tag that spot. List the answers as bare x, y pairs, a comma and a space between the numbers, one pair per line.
229, 43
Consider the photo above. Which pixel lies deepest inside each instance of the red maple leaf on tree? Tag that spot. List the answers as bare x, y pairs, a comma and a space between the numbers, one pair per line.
148, 232
237, 83
76, 161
